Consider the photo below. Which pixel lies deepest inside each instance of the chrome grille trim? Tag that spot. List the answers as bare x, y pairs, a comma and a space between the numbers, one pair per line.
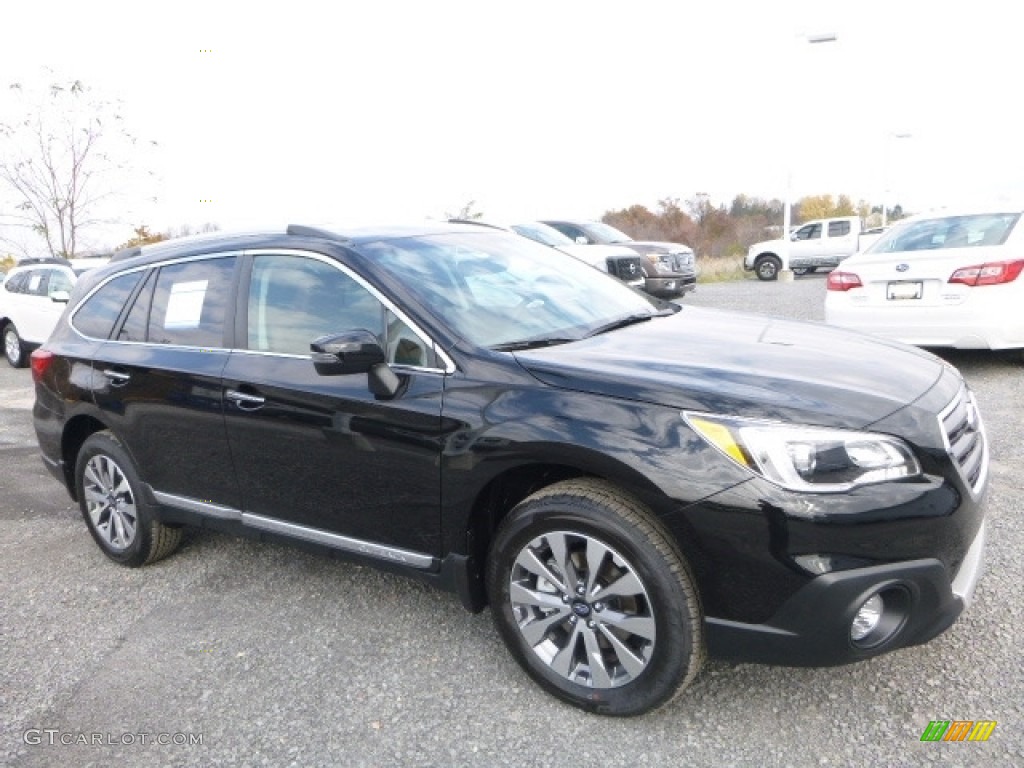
964, 436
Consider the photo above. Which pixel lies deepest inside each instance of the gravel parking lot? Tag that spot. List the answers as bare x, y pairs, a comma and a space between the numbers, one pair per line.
266, 655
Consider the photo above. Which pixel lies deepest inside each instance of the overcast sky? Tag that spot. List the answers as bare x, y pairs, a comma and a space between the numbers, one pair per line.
358, 112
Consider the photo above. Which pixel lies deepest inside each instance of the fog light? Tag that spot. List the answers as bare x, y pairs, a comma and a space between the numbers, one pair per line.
867, 618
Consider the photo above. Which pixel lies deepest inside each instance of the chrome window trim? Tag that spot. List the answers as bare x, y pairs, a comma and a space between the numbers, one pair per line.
372, 549
141, 268
449, 365
447, 368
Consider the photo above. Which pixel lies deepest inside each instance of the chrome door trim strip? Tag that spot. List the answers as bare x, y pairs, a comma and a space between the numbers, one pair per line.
207, 508
337, 541
292, 530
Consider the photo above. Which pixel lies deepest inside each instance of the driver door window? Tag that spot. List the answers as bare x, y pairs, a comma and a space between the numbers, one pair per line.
294, 300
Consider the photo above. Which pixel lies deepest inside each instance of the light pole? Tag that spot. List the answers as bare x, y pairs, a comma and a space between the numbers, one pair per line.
785, 272
885, 171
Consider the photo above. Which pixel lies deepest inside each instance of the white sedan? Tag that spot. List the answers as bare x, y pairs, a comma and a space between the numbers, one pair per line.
943, 279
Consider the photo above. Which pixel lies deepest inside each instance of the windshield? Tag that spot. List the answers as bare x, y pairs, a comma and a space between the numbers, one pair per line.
603, 233
542, 233
497, 289
947, 232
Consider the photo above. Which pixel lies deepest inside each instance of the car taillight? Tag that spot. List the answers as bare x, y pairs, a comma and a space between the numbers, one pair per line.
993, 273
41, 360
843, 281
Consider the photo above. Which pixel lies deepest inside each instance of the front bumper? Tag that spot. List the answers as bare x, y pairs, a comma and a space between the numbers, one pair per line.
673, 285
812, 628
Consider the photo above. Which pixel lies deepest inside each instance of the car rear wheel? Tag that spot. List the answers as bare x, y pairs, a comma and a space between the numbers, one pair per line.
594, 600
14, 348
767, 267
119, 519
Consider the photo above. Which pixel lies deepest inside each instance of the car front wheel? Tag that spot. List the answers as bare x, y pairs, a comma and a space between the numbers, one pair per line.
594, 600
14, 348
120, 521
767, 268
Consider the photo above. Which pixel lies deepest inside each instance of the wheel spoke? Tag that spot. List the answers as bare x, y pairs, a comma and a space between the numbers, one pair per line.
599, 676
630, 662
520, 595
596, 553
93, 496
642, 626
127, 514
528, 561
563, 557
535, 631
92, 477
626, 585
562, 663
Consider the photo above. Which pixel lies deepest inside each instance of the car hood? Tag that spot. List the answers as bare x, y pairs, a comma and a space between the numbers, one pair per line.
726, 362
656, 246
767, 245
598, 251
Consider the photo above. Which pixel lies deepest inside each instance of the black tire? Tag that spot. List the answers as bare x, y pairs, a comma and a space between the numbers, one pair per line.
767, 267
109, 494
14, 347
647, 631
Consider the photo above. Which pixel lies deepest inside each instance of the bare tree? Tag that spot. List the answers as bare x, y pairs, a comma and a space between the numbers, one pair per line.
59, 157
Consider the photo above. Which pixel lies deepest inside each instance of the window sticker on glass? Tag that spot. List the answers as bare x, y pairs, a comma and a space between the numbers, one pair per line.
33, 283
185, 304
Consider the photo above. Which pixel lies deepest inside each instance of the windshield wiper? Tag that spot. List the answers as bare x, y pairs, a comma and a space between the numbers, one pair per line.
518, 346
622, 322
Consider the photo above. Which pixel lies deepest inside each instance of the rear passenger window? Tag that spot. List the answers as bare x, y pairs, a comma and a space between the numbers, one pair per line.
96, 317
838, 228
190, 303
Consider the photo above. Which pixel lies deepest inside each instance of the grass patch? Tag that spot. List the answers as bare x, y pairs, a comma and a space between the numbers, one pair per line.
722, 269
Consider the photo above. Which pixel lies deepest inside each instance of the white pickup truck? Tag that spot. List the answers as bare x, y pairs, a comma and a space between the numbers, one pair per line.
813, 245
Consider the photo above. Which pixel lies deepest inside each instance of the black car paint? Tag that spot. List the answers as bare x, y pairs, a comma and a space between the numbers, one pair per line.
475, 440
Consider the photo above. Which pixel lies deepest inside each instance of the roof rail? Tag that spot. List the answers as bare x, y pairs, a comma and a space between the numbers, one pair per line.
126, 253
302, 230
42, 260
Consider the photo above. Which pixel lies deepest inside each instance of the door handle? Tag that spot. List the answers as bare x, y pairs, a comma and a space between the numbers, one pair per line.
244, 401
117, 378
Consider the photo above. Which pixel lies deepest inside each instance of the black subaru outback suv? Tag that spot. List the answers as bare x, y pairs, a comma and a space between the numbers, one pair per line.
629, 484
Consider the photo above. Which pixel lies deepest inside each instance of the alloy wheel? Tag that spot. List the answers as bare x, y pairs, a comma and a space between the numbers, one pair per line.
582, 609
110, 502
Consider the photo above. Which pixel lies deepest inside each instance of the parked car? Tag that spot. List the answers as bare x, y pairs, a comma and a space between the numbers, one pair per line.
818, 244
32, 297
670, 269
622, 262
941, 279
466, 407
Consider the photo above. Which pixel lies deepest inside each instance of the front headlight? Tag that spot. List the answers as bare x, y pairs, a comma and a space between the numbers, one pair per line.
807, 458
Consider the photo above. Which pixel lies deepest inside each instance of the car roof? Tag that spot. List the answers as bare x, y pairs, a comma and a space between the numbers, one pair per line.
284, 237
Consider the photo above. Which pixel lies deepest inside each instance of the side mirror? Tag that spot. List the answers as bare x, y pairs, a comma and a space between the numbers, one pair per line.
350, 352
61, 297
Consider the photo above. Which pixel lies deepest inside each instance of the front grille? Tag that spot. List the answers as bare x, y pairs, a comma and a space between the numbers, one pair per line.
626, 268
964, 436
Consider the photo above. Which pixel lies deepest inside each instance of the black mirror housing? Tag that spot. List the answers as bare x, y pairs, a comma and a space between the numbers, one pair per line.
350, 352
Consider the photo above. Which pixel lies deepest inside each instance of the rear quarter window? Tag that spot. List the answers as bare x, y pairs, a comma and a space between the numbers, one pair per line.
95, 318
